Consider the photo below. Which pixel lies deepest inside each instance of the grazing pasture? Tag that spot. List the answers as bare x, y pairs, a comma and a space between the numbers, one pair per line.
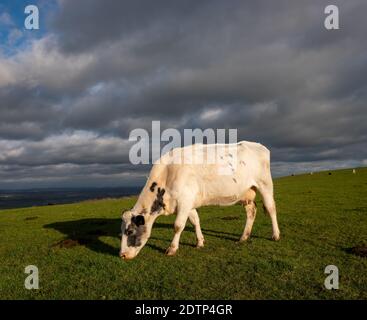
322, 219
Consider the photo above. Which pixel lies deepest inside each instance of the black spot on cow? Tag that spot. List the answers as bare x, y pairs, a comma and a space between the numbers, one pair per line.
230, 155
153, 186
158, 202
235, 181
134, 235
138, 220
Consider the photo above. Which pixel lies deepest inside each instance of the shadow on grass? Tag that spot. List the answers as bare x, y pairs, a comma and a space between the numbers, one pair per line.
229, 235
208, 232
360, 251
87, 232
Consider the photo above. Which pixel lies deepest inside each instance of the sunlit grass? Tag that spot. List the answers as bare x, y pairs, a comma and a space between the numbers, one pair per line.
321, 216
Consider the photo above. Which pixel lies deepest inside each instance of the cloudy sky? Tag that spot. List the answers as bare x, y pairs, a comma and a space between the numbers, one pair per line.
71, 92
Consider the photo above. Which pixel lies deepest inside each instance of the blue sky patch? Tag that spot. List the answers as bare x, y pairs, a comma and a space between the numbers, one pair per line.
13, 34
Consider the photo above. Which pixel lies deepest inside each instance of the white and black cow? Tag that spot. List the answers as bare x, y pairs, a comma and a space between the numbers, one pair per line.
180, 182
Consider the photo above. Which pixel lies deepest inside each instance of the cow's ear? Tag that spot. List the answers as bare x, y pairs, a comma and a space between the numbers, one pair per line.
139, 220
124, 214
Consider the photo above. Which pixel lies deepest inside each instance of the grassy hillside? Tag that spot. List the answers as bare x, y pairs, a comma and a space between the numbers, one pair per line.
321, 217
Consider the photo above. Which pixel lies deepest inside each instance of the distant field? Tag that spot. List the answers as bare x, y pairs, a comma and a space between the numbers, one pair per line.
321, 218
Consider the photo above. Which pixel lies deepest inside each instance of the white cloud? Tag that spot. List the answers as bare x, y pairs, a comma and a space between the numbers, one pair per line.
7, 74
211, 114
68, 147
40, 63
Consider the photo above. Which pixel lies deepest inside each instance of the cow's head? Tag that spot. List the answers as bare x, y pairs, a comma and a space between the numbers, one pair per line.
136, 227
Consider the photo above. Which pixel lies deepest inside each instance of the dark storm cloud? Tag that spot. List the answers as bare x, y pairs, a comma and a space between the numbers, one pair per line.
104, 22
268, 68
26, 112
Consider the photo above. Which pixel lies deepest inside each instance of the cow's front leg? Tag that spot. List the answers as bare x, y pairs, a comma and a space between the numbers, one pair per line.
195, 221
179, 226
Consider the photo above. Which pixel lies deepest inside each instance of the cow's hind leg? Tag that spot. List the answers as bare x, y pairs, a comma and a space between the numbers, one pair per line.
266, 190
250, 206
195, 221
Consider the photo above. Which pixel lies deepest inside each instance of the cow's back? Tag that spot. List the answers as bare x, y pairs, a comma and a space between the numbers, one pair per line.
222, 182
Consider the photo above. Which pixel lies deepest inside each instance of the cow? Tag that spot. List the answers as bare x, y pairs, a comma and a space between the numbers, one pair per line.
180, 184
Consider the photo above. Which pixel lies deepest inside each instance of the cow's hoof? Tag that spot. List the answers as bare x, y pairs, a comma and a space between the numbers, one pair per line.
276, 237
244, 238
200, 245
171, 251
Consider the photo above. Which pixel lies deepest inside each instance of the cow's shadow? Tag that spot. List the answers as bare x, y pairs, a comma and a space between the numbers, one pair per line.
87, 232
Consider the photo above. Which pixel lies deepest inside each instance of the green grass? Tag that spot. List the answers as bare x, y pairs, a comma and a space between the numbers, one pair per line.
321, 217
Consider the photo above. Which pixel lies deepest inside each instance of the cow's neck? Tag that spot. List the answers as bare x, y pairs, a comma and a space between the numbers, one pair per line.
150, 192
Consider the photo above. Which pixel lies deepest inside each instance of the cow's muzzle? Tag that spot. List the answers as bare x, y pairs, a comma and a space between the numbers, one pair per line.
126, 255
